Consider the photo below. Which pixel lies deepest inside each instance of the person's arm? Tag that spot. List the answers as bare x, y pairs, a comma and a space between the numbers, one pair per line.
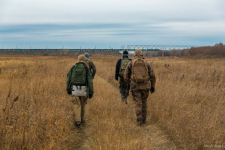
90, 82
92, 68
151, 74
117, 69
68, 80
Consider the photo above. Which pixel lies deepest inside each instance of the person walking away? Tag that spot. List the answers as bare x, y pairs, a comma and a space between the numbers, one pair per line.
79, 83
141, 78
90, 64
120, 68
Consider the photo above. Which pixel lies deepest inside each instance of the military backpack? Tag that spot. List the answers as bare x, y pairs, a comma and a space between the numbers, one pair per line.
123, 66
139, 72
79, 74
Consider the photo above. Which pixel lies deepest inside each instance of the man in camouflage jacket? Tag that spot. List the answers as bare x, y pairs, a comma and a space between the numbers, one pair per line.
140, 91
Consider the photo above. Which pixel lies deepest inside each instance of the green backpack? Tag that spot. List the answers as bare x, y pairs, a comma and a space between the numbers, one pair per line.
79, 74
123, 66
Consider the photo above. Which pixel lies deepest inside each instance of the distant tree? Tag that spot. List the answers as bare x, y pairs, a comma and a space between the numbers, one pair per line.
159, 53
166, 53
216, 50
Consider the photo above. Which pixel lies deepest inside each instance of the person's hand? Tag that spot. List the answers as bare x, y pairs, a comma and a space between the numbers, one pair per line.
69, 92
152, 90
116, 78
90, 96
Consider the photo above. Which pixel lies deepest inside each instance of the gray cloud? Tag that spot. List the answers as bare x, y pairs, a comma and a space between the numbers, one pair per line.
100, 11
192, 22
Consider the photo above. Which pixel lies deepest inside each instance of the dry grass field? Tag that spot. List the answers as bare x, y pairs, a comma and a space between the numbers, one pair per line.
186, 111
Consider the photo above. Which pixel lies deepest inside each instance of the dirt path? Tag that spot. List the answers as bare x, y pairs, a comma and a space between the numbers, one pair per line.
102, 125
150, 130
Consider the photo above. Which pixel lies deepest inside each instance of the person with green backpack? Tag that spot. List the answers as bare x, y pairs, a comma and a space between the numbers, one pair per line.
79, 83
120, 68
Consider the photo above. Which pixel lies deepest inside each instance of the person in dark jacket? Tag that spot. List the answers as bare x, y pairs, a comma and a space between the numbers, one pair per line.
120, 68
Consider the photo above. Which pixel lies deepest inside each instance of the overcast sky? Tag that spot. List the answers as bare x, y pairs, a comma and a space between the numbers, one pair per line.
115, 23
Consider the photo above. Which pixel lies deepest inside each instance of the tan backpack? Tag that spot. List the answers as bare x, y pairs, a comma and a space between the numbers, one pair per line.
139, 71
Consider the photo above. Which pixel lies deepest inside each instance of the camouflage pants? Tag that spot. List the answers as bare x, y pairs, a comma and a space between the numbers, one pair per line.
140, 98
124, 88
79, 106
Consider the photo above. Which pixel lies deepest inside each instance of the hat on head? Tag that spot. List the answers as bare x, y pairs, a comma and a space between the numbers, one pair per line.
86, 54
138, 52
125, 53
81, 58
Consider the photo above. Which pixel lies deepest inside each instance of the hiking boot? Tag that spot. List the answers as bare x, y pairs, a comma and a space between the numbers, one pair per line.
139, 123
122, 97
125, 100
77, 124
82, 121
143, 121
122, 94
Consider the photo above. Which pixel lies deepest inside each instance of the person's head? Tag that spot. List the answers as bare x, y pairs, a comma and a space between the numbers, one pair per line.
86, 55
138, 53
125, 54
81, 57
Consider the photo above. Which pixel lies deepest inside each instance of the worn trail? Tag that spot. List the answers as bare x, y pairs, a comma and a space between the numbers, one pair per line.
111, 124
151, 130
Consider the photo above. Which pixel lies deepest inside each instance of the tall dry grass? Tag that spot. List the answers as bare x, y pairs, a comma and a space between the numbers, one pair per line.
189, 100
36, 112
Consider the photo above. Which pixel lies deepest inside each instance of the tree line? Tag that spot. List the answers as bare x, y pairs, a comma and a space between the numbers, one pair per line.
218, 50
